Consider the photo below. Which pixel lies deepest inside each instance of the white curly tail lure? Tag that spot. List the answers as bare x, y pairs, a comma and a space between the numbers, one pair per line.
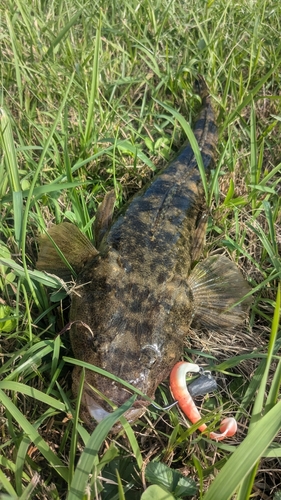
180, 393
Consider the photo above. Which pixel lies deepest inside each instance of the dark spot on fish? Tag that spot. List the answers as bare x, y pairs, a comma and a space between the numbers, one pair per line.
138, 295
135, 306
162, 276
144, 327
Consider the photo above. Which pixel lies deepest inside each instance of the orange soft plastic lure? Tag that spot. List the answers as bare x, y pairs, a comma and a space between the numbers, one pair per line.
181, 394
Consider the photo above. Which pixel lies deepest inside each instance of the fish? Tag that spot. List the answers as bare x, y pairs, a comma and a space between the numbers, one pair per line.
136, 292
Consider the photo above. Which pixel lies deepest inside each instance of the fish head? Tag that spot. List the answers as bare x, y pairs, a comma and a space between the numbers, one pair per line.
128, 366
128, 328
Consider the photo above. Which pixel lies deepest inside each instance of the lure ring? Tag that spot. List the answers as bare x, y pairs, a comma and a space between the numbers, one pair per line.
228, 426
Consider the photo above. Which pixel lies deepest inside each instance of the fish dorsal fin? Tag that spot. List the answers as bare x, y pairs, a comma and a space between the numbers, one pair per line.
217, 285
104, 216
64, 250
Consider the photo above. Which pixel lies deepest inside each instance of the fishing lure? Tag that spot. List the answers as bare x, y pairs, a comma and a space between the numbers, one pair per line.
182, 394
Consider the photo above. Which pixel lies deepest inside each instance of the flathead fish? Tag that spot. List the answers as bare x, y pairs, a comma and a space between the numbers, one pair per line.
136, 295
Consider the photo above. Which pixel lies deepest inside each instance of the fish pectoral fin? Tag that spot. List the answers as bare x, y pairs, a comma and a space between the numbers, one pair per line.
104, 216
217, 285
64, 250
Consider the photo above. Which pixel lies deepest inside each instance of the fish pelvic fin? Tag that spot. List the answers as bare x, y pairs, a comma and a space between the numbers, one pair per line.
217, 286
104, 216
64, 250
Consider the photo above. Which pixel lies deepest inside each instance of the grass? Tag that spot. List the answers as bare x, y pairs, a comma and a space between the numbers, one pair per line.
98, 96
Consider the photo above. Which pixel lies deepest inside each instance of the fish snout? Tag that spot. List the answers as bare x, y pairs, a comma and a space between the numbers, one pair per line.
98, 412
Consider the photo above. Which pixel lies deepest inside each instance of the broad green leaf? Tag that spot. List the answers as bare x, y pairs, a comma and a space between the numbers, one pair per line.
155, 492
185, 487
161, 474
170, 479
7, 319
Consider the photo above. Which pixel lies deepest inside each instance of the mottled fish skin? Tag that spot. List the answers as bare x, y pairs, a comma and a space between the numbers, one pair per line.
134, 297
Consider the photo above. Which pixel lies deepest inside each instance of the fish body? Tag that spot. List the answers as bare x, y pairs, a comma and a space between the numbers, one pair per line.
135, 297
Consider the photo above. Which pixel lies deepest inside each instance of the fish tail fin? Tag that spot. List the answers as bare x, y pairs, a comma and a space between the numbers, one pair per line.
104, 216
218, 289
64, 250
201, 87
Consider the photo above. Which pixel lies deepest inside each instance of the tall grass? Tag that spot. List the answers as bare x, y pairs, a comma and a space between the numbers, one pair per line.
98, 96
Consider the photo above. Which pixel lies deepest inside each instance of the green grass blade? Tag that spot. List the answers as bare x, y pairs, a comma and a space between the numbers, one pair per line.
73, 445
272, 233
89, 456
245, 457
247, 100
96, 369
32, 186
274, 390
259, 400
9, 149
35, 437
94, 86
126, 146
31, 357
20, 463
39, 191
7, 385
18, 208
275, 385
16, 57
193, 143
5, 483
253, 156
133, 441
38, 276
121, 494
63, 33
27, 493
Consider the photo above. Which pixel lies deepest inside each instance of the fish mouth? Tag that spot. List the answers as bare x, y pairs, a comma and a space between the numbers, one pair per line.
99, 413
